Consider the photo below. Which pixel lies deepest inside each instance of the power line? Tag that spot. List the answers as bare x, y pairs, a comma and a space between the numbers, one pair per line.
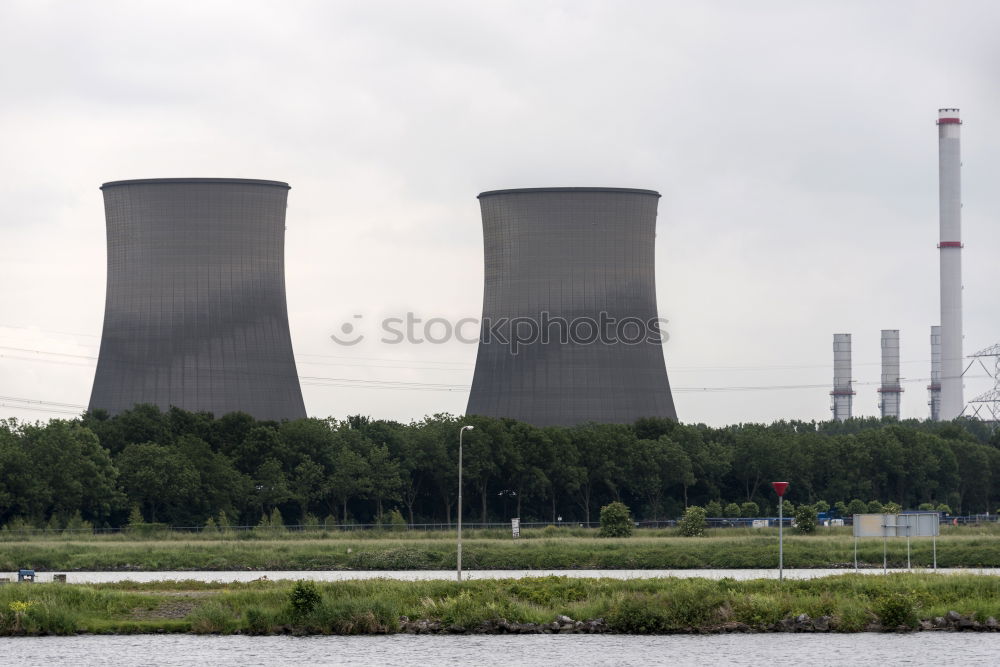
41, 402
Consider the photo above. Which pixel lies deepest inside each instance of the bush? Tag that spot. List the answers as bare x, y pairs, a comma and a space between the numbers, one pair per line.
686, 606
135, 516
616, 521
875, 507
926, 507
303, 598
749, 510
256, 622
841, 508
892, 508
732, 510
805, 519
76, 524
821, 506
944, 508
714, 509
693, 522
895, 610
393, 521
212, 618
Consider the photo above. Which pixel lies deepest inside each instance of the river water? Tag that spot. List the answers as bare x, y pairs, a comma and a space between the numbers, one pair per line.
423, 575
926, 648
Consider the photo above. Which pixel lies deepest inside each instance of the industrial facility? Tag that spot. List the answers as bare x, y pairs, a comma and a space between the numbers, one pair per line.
950, 245
195, 314
570, 324
842, 402
890, 389
946, 390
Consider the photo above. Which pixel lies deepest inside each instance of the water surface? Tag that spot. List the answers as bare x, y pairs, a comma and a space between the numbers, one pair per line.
424, 575
926, 648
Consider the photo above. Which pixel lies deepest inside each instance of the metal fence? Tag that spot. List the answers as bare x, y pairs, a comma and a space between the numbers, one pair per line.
713, 522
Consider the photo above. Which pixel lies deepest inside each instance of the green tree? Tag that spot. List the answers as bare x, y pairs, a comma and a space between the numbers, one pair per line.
271, 485
805, 519
307, 484
221, 488
158, 477
350, 478
857, 506
714, 508
731, 510
385, 477
72, 470
483, 450
749, 510
692, 524
616, 520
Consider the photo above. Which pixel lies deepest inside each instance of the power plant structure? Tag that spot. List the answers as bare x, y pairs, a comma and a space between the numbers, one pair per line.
890, 389
945, 391
843, 392
934, 388
195, 314
570, 331
950, 250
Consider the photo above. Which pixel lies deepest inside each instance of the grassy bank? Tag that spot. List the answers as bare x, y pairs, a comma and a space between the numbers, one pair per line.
741, 550
846, 603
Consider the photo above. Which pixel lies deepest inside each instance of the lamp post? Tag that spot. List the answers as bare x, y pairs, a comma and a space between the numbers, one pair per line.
780, 488
461, 432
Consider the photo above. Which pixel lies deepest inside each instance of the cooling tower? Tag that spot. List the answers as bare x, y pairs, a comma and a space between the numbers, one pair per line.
195, 313
570, 331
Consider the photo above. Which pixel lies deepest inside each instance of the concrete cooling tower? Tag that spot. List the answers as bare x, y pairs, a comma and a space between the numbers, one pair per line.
195, 315
570, 331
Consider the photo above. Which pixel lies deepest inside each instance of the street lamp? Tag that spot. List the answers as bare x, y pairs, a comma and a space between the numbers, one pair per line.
780, 488
461, 432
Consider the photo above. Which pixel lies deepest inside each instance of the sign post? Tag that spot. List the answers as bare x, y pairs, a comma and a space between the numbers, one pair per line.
780, 488
515, 527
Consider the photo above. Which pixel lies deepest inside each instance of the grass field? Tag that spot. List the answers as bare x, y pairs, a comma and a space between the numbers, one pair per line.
844, 603
723, 548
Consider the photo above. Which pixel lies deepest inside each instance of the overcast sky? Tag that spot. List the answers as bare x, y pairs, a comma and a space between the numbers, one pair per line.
793, 142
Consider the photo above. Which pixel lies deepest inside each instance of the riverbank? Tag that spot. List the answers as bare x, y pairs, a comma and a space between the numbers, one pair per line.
843, 603
721, 551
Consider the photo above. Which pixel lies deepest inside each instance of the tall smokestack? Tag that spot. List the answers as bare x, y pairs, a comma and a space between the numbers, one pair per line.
934, 388
950, 245
843, 395
890, 390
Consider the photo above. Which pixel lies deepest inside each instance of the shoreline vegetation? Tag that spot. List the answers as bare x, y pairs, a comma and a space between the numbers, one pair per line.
731, 548
145, 468
841, 603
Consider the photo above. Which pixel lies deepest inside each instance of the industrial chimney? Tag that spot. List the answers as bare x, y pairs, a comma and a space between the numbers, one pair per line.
843, 394
934, 388
950, 249
889, 392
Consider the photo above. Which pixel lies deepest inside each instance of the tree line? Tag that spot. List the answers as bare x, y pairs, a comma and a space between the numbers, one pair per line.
186, 469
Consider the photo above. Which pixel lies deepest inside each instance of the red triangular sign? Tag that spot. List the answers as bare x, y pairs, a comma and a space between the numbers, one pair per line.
780, 488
